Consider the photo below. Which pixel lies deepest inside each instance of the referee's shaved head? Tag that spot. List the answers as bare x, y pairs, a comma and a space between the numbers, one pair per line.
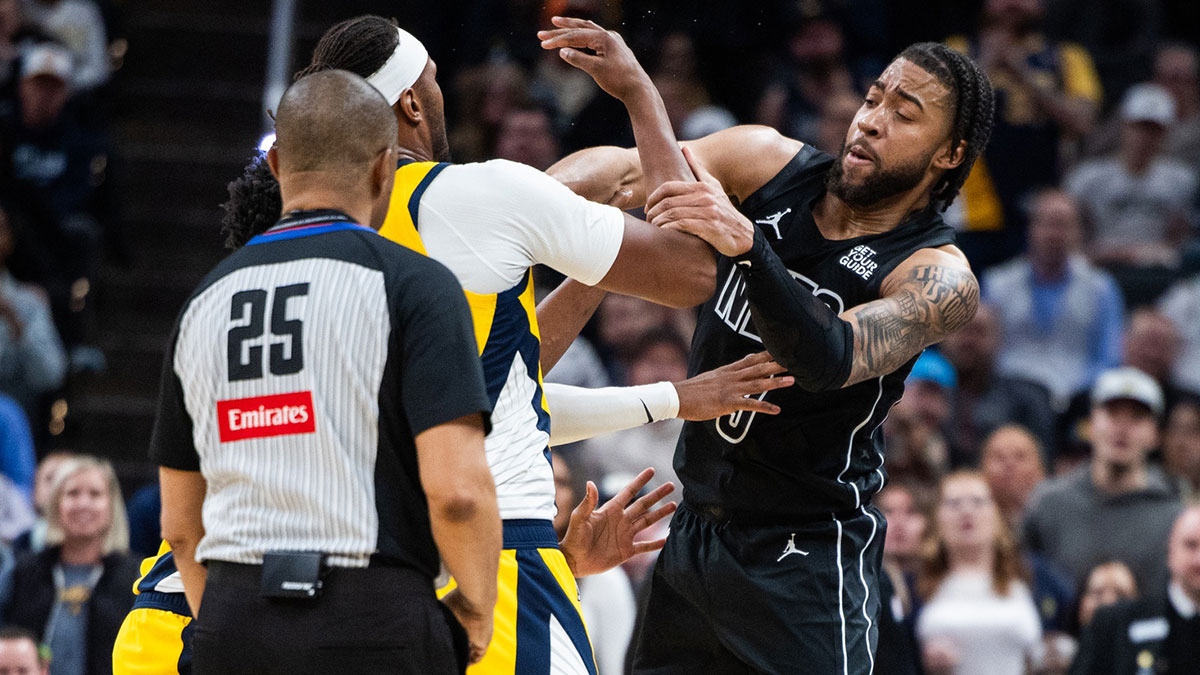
331, 121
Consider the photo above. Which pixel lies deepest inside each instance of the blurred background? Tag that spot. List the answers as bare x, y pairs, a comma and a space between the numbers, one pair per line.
122, 121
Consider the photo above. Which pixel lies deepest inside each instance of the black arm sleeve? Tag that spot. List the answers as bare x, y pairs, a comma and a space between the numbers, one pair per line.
798, 330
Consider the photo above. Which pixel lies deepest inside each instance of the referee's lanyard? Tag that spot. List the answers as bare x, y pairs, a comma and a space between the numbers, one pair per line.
77, 596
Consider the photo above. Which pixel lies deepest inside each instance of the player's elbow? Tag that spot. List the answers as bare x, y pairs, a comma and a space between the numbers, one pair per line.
463, 501
696, 283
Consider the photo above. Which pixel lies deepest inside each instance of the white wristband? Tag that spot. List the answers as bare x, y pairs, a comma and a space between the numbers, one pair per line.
577, 413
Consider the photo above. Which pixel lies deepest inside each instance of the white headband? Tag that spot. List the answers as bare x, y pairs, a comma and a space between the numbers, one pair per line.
402, 69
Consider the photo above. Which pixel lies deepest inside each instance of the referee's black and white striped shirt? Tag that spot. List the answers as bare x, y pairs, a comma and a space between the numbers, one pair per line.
300, 371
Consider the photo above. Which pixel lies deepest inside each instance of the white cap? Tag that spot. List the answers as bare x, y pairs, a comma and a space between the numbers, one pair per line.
47, 59
1128, 384
1148, 103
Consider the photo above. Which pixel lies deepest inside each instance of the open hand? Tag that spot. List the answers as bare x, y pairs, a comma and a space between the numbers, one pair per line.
598, 540
612, 65
701, 209
728, 389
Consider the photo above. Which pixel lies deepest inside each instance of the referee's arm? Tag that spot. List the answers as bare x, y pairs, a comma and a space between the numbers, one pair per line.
183, 486
465, 519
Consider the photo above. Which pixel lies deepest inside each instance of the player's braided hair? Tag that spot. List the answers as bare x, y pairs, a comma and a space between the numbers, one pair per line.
254, 204
360, 45
974, 104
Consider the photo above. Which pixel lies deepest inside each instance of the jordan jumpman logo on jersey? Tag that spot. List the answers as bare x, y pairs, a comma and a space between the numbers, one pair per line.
773, 221
790, 549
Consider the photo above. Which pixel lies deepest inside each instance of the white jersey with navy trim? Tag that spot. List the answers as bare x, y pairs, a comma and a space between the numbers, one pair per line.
489, 223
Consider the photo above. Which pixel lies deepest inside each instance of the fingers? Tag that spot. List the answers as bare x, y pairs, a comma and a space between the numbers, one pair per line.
648, 546
572, 22
672, 188
627, 493
698, 169
755, 405
680, 213
579, 59
588, 505
755, 387
654, 516
643, 504
761, 370
570, 37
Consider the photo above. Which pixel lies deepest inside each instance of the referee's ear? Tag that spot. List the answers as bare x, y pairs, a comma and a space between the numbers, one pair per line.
273, 162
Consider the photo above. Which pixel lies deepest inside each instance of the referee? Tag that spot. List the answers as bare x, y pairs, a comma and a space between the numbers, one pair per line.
323, 407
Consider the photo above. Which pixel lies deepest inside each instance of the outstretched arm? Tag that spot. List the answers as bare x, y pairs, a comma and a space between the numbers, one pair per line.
742, 158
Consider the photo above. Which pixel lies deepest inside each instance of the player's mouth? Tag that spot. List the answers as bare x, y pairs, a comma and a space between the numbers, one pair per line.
859, 155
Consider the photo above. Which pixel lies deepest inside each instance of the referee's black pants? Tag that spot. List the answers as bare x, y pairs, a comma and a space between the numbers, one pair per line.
370, 620
728, 597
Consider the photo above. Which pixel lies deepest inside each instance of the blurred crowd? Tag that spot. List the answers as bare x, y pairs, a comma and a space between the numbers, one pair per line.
1043, 459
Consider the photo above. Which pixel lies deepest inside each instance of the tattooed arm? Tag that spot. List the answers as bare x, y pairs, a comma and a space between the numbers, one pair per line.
931, 295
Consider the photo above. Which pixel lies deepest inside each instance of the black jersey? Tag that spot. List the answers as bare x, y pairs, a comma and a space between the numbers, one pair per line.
823, 452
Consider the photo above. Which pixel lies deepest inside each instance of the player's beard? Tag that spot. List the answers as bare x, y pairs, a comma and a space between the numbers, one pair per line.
878, 184
441, 144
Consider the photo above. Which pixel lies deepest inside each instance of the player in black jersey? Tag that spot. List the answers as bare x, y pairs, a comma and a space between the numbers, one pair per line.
843, 268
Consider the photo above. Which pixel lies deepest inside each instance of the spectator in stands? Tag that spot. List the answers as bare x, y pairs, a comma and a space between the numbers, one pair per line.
1152, 343
32, 360
19, 653
10, 23
903, 505
79, 25
606, 599
76, 592
1117, 506
1176, 70
525, 135
1061, 317
815, 73
1107, 583
984, 399
34, 539
1181, 304
1011, 460
1139, 200
658, 356
979, 615
1046, 92
1181, 446
916, 427
622, 320
1159, 633
486, 94
678, 82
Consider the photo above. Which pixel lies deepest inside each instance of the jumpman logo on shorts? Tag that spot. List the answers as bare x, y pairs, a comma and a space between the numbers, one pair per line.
790, 549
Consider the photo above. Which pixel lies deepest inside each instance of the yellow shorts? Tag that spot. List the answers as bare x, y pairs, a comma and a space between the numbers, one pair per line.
153, 642
538, 626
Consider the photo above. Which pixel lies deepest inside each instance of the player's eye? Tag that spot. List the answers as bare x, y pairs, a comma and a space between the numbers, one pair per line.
902, 116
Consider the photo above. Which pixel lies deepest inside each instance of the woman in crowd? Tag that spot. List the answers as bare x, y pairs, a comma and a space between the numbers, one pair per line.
76, 591
1107, 583
979, 617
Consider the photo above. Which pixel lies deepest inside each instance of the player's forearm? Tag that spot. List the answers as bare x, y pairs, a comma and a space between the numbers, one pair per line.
561, 315
604, 174
658, 151
801, 333
581, 413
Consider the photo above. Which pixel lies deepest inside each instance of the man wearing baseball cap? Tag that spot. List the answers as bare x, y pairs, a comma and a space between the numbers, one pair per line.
1115, 506
1138, 198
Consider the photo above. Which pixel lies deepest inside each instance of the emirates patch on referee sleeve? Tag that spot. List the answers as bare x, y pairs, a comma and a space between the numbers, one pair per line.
263, 416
